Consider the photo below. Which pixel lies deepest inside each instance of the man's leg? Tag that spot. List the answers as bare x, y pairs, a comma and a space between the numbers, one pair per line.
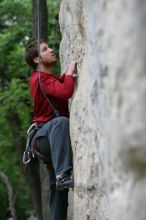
53, 139
58, 199
60, 145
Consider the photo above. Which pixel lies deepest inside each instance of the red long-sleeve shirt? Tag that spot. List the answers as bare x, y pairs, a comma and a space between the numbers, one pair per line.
58, 89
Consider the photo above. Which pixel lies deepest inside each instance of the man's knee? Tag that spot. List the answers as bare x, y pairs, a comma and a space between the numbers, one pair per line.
62, 121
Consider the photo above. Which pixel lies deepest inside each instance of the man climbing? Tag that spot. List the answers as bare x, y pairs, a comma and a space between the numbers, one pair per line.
52, 139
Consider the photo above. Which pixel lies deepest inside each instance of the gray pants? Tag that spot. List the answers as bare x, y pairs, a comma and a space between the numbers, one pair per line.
53, 140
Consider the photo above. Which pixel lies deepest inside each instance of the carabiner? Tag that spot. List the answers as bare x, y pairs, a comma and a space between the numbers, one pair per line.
26, 157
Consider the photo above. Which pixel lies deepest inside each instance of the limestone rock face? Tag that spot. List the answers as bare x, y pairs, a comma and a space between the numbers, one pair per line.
108, 110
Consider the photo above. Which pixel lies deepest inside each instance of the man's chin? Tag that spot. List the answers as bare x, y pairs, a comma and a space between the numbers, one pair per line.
52, 63
55, 61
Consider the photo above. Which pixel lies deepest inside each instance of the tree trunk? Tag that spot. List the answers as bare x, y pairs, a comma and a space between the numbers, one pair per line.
45, 191
43, 28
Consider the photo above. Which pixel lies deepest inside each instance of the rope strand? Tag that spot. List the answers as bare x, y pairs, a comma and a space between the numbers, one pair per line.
19, 184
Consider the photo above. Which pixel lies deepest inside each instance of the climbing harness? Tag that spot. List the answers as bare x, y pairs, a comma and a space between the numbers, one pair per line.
31, 152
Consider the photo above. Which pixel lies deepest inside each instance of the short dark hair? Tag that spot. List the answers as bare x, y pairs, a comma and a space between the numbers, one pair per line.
32, 52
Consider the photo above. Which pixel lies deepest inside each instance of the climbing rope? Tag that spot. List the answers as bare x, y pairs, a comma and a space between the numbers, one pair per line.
38, 33
19, 184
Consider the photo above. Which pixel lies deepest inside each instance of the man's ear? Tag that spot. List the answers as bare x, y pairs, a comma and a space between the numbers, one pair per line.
36, 60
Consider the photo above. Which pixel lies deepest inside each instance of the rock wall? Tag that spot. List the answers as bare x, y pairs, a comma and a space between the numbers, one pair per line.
108, 110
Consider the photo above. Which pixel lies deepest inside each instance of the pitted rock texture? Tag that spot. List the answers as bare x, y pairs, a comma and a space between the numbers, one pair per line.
108, 110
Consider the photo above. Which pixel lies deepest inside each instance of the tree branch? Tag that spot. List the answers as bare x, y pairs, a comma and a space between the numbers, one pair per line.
5, 179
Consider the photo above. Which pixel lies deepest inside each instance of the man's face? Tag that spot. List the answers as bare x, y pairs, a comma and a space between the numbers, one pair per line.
47, 55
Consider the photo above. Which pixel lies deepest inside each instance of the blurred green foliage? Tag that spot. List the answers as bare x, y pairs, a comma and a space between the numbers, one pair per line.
15, 101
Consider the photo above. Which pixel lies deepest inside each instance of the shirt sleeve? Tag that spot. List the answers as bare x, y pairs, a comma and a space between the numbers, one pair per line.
62, 89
